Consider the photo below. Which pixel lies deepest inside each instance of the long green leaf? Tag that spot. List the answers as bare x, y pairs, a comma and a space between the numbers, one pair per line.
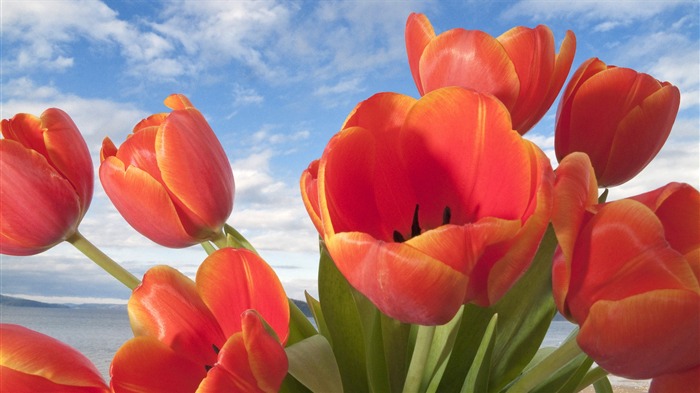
312, 363
299, 325
478, 376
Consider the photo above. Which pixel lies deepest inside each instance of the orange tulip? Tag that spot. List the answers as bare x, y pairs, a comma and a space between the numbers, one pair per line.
627, 272
519, 67
170, 179
429, 204
33, 362
619, 117
46, 181
209, 335
309, 194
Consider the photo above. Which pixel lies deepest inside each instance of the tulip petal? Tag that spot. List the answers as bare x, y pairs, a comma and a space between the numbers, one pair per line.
684, 381
26, 175
250, 361
166, 306
620, 253
309, 194
26, 129
144, 203
32, 362
470, 59
144, 364
151, 121
231, 281
195, 169
138, 151
654, 333
418, 34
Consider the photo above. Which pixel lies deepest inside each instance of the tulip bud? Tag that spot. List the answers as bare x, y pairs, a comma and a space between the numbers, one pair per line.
619, 117
519, 67
170, 179
46, 182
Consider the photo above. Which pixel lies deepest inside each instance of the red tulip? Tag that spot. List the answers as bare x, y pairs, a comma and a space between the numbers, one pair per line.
309, 194
687, 382
429, 204
32, 362
170, 179
209, 335
519, 67
627, 272
619, 117
46, 181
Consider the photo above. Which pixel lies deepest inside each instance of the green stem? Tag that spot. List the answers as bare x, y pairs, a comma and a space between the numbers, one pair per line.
220, 239
103, 261
424, 341
548, 366
594, 375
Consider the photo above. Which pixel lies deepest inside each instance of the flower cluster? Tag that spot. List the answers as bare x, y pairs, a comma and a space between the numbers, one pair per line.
448, 241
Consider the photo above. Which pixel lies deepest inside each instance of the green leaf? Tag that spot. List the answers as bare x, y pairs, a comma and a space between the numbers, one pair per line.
312, 363
478, 376
603, 386
567, 378
299, 325
395, 340
236, 239
317, 313
344, 324
440, 350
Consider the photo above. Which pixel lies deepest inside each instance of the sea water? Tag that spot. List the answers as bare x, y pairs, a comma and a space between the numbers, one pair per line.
99, 332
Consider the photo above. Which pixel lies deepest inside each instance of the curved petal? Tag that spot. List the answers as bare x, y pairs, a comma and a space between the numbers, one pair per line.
69, 154
27, 130
402, 281
684, 381
144, 203
621, 253
139, 151
144, 364
309, 194
643, 336
167, 307
151, 121
250, 361
418, 34
39, 208
648, 125
196, 171
231, 281
471, 59
31, 362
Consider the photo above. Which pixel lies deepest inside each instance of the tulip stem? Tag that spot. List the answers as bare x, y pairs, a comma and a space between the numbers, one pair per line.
547, 367
414, 377
103, 261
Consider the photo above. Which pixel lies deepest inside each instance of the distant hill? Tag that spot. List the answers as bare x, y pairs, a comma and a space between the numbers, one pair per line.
303, 307
18, 302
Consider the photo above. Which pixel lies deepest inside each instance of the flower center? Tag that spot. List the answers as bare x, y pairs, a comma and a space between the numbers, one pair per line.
216, 350
415, 225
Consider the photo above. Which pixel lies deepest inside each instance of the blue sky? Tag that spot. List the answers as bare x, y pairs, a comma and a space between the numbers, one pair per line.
276, 79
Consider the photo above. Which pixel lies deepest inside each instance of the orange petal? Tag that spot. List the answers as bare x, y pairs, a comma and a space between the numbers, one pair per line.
231, 281
643, 336
26, 129
309, 194
144, 364
32, 225
196, 171
684, 381
419, 33
471, 59
177, 101
166, 306
151, 121
33, 362
144, 203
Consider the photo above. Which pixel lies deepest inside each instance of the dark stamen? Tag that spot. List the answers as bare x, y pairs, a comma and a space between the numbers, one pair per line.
415, 227
398, 237
216, 349
446, 215
207, 367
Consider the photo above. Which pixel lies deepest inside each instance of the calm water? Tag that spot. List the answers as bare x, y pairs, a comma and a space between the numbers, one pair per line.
98, 333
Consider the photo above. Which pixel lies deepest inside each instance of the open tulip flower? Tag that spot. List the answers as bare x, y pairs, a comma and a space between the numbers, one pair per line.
170, 179
429, 204
627, 272
519, 67
206, 336
619, 117
32, 362
46, 182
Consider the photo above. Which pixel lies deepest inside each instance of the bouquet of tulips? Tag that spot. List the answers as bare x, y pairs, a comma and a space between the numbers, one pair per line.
447, 241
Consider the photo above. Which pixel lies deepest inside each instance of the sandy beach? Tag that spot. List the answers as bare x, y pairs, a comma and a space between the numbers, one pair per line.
621, 389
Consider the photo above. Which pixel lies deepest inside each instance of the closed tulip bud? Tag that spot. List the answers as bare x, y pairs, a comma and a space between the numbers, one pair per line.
46, 181
520, 67
628, 273
619, 117
170, 179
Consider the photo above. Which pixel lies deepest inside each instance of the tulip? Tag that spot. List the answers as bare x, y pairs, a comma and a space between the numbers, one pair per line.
33, 362
207, 335
628, 273
519, 67
46, 181
686, 381
170, 179
309, 194
429, 204
619, 117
